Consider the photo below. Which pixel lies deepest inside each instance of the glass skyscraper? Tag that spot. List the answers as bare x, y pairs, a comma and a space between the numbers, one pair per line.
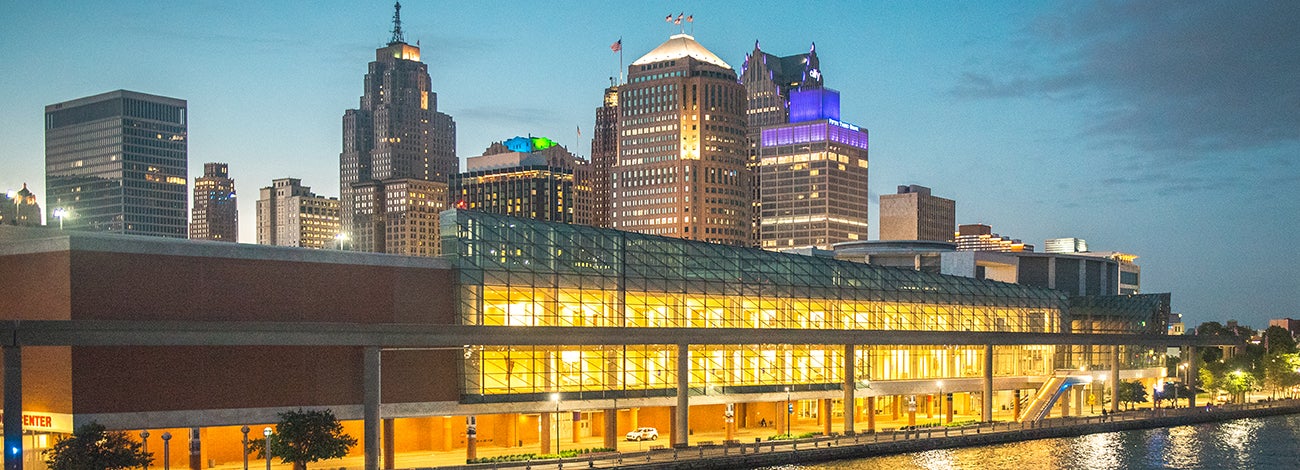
116, 162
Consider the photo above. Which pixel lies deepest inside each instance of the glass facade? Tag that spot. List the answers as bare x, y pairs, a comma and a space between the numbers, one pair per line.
117, 162
517, 272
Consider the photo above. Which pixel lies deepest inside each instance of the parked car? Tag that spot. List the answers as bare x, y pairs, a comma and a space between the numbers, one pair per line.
643, 434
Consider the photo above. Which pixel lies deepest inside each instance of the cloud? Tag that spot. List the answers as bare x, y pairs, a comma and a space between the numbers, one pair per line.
1184, 78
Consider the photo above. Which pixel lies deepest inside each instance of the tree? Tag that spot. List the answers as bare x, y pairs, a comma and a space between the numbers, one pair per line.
1281, 372
302, 437
1131, 392
92, 447
1278, 340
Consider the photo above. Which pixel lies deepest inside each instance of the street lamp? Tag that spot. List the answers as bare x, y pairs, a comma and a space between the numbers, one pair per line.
555, 397
245, 449
167, 450
939, 384
339, 238
267, 433
60, 213
789, 412
144, 440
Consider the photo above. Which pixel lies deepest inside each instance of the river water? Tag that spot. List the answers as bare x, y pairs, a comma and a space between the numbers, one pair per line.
1264, 443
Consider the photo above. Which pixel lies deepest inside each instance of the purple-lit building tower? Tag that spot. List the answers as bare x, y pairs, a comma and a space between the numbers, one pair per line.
812, 176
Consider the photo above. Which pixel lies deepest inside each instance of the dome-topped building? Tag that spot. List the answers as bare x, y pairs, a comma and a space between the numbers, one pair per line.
679, 46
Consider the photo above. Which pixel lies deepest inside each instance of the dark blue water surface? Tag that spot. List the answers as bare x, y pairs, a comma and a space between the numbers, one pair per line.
1267, 443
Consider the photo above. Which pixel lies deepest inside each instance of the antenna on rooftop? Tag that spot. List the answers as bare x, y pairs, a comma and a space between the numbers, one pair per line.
397, 24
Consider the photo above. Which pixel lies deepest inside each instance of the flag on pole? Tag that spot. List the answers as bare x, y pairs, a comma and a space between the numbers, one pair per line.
690, 18
679, 18
617, 45
579, 131
669, 18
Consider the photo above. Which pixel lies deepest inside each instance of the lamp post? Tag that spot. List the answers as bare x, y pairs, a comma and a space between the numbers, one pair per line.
939, 385
59, 213
167, 450
144, 443
267, 433
789, 412
245, 449
555, 397
339, 238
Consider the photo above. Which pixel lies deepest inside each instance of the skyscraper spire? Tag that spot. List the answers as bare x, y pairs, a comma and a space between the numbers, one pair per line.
397, 24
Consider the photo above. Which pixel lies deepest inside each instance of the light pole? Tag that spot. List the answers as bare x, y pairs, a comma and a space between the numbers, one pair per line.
555, 397
167, 450
144, 442
339, 239
59, 213
267, 433
245, 449
789, 413
939, 384
1182, 368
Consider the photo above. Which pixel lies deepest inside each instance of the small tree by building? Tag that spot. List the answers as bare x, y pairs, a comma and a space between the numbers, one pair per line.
93, 447
302, 437
1131, 392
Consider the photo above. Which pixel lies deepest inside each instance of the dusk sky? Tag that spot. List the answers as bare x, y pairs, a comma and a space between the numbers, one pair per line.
1170, 130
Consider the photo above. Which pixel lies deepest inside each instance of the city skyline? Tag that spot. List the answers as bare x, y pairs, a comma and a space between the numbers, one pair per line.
1023, 114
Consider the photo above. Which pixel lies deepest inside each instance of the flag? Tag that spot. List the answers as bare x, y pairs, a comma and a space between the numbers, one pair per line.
669, 18
579, 131
617, 45
690, 18
679, 18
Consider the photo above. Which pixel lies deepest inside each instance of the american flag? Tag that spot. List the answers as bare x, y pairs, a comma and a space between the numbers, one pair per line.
617, 45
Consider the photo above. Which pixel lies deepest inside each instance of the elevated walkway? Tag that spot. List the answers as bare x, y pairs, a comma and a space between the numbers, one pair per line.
1042, 404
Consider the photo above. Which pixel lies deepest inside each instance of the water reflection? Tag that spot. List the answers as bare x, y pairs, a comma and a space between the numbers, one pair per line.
1247, 443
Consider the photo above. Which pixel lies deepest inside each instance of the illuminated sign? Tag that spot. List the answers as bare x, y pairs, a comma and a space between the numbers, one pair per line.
45, 422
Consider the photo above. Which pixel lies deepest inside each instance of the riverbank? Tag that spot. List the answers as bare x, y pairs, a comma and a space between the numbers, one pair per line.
821, 449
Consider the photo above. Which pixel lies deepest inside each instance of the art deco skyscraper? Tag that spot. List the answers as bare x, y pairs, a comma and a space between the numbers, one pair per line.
604, 156
289, 214
681, 155
216, 213
117, 162
397, 131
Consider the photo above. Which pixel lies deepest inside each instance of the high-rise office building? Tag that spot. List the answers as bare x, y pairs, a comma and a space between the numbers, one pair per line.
216, 212
117, 162
1065, 245
604, 155
398, 216
681, 166
980, 237
20, 208
915, 214
397, 131
768, 81
289, 214
812, 176
531, 177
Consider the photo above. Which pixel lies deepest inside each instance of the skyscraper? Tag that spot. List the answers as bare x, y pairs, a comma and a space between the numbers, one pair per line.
604, 156
398, 216
812, 176
1065, 245
116, 162
681, 155
768, 81
216, 212
532, 177
915, 214
397, 131
980, 237
20, 208
289, 214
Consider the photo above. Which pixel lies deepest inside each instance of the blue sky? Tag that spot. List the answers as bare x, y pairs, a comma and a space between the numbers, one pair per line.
1166, 129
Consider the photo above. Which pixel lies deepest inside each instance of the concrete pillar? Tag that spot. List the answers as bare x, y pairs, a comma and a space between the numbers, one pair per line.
987, 396
611, 428
947, 398
911, 412
1078, 398
824, 412
1193, 375
1114, 378
850, 384
370, 376
13, 408
898, 405
196, 450
544, 440
927, 401
871, 414
575, 426
634, 418
1065, 402
389, 443
681, 413
1015, 405
447, 433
